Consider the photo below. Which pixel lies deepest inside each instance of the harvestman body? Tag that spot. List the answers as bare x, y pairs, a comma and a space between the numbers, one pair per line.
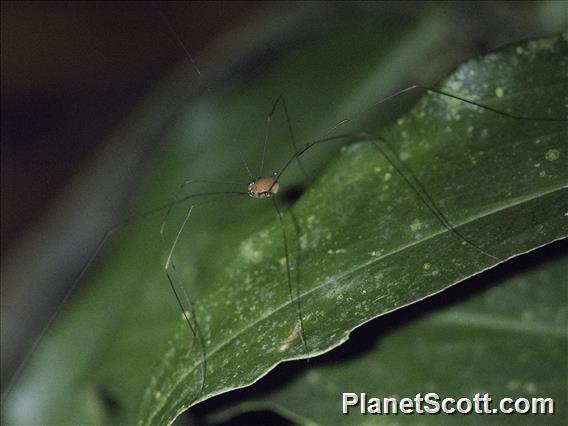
263, 187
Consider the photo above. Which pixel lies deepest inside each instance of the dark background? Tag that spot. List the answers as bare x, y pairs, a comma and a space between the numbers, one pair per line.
72, 72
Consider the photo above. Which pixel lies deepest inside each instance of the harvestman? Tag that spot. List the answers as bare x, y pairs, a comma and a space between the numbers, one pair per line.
264, 186
267, 186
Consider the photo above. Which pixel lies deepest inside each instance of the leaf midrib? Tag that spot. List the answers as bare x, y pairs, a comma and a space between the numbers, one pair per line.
342, 276
518, 201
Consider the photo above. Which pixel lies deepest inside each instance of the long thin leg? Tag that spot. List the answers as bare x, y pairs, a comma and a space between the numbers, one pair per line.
401, 167
195, 331
176, 197
199, 337
418, 189
244, 161
282, 101
421, 192
442, 93
188, 215
302, 150
308, 146
47, 326
90, 261
289, 277
188, 311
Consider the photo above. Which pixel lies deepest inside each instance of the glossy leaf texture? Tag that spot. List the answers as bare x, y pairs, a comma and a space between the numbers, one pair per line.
508, 338
364, 244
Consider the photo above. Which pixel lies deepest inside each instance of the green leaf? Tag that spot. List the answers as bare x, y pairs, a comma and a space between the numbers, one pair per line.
510, 340
367, 245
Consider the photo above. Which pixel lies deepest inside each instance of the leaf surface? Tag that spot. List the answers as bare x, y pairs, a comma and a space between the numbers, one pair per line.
509, 340
367, 245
